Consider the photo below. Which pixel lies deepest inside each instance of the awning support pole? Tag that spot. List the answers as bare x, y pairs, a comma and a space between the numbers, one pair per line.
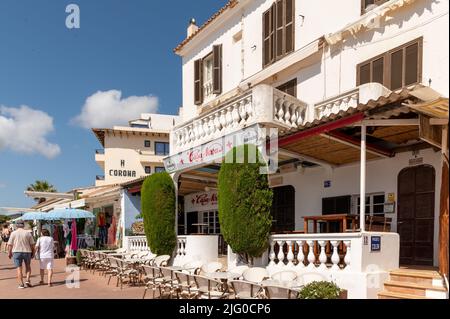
362, 203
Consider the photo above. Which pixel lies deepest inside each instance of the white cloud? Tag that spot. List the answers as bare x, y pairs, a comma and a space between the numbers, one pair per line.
105, 109
24, 130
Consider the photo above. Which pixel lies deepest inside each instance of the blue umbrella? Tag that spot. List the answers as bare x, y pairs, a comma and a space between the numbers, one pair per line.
69, 213
35, 216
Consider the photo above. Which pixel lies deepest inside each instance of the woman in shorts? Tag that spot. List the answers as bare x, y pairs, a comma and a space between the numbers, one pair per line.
44, 249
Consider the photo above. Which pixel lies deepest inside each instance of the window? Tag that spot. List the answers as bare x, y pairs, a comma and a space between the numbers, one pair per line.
374, 204
147, 143
159, 169
162, 148
289, 87
148, 170
367, 5
208, 75
394, 69
336, 205
212, 220
278, 31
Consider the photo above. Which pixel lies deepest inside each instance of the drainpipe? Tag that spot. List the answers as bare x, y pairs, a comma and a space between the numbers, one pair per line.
362, 206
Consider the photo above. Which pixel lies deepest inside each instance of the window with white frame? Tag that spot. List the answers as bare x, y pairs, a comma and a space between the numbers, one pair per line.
208, 77
212, 220
374, 204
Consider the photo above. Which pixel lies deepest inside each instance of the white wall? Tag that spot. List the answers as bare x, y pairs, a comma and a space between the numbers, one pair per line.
336, 72
381, 177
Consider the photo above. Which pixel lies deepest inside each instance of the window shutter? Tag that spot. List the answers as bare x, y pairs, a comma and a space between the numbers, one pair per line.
269, 36
364, 74
280, 24
289, 27
198, 86
397, 70
217, 69
412, 64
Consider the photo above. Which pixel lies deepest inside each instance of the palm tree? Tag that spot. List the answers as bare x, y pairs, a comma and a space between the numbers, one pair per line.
41, 186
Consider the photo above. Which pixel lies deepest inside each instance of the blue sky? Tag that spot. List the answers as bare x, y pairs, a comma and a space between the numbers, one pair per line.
52, 70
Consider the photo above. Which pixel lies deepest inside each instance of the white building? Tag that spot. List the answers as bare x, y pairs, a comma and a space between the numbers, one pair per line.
133, 151
359, 94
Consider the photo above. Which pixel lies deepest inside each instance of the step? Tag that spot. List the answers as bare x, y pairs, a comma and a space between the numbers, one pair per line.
413, 288
397, 295
430, 278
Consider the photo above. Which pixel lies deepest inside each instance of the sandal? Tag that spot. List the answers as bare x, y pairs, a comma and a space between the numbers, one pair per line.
21, 287
28, 284
41, 282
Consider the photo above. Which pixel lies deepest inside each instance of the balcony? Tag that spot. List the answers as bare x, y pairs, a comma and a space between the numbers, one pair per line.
100, 157
262, 104
349, 99
150, 157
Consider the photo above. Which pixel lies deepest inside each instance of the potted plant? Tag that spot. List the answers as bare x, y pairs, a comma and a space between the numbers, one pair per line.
322, 290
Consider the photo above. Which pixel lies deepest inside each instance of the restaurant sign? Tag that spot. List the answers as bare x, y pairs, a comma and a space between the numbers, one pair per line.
203, 201
212, 151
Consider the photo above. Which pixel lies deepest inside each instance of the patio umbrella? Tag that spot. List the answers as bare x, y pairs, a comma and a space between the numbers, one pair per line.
70, 213
73, 244
35, 216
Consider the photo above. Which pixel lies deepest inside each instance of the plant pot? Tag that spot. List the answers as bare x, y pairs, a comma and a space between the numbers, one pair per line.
343, 294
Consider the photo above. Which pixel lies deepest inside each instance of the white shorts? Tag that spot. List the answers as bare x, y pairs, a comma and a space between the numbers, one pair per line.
46, 263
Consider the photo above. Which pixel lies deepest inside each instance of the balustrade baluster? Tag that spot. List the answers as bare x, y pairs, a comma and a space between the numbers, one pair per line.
347, 258
335, 256
280, 255
323, 255
290, 254
300, 254
311, 255
272, 253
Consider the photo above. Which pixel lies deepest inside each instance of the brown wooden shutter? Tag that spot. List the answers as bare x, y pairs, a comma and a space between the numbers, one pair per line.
289, 87
269, 36
412, 64
217, 69
289, 25
198, 85
364, 74
280, 24
397, 70
378, 71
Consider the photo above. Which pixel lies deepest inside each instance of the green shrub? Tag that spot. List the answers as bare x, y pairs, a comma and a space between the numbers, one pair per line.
158, 211
320, 290
245, 200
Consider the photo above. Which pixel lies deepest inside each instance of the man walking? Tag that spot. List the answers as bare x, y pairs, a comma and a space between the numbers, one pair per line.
21, 248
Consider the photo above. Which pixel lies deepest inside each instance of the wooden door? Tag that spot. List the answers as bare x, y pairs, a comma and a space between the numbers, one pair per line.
415, 223
283, 209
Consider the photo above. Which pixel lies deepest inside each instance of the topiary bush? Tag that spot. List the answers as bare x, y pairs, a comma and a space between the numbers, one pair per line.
320, 290
245, 200
158, 211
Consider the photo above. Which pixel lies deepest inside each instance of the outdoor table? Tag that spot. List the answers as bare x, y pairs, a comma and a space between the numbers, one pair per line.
341, 218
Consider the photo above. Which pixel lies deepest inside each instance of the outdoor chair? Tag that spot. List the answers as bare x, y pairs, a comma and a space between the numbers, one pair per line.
209, 288
122, 271
256, 274
285, 276
161, 261
279, 292
195, 267
239, 270
166, 282
186, 287
151, 274
245, 289
211, 267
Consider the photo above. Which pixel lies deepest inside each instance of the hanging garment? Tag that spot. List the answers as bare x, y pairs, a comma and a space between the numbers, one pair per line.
112, 231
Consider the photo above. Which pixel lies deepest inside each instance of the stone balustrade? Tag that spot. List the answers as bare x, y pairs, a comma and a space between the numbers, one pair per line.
262, 104
137, 243
337, 104
312, 251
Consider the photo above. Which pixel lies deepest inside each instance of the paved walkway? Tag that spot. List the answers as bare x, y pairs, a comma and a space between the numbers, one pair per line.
90, 286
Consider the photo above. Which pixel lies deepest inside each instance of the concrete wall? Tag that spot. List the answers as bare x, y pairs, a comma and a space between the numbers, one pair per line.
132, 208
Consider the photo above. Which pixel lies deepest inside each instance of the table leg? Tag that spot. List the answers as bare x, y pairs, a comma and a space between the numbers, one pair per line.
305, 226
315, 226
344, 225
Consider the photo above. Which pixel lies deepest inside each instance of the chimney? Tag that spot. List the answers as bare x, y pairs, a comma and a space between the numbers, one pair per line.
192, 28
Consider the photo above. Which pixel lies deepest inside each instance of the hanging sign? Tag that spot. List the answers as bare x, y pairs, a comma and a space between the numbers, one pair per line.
211, 151
202, 201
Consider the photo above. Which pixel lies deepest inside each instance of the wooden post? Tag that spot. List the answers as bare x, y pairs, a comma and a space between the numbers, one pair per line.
444, 210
